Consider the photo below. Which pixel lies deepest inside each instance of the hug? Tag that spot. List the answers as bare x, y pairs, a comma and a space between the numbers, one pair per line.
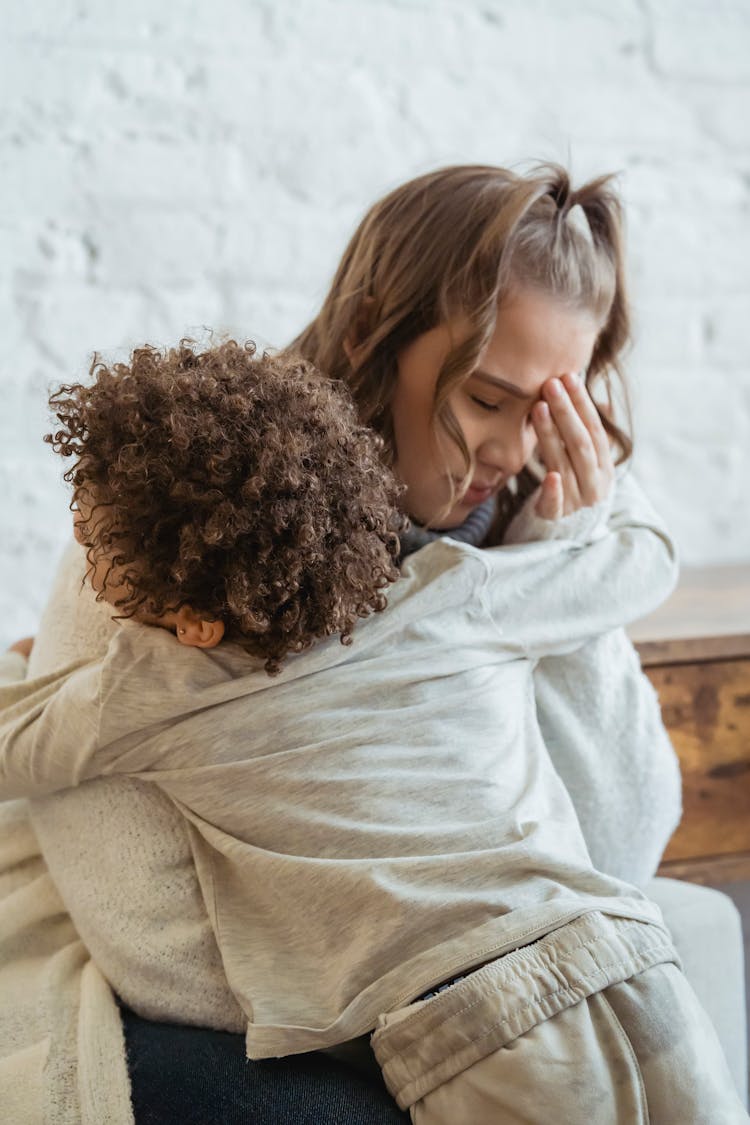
335, 701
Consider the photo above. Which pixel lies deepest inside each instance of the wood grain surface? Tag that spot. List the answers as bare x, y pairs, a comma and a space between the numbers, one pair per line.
696, 651
706, 709
711, 601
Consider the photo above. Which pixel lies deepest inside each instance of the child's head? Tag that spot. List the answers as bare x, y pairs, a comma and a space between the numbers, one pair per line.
221, 490
428, 291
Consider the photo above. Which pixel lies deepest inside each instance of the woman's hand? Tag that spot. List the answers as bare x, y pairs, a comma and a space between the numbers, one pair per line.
574, 447
23, 646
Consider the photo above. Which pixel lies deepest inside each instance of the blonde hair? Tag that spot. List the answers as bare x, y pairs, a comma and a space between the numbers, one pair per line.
454, 244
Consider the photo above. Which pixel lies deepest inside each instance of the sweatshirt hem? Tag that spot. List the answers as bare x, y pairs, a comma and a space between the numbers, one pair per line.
410, 980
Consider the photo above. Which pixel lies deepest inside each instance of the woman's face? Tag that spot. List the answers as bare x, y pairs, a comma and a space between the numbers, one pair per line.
536, 338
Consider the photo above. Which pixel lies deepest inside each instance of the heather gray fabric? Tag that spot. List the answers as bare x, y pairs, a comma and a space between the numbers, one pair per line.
152, 947
377, 817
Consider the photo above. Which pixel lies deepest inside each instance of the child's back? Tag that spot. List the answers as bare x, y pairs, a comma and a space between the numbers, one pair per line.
376, 817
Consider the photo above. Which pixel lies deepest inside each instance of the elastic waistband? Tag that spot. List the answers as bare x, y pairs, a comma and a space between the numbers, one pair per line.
427, 1043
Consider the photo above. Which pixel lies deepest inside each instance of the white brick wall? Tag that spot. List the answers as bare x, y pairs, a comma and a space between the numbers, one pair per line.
185, 164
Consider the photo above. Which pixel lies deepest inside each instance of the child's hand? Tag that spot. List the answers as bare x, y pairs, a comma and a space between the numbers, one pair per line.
23, 646
574, 447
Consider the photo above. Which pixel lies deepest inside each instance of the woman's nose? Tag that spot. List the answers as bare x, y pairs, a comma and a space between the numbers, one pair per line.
530, 442
515, 452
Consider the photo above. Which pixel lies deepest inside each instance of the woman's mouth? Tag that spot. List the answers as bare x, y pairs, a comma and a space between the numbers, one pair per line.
478, 493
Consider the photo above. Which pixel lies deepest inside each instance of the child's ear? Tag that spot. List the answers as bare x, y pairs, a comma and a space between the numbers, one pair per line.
196, 631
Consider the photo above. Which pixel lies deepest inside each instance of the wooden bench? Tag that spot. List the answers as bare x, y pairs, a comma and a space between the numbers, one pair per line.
696, 652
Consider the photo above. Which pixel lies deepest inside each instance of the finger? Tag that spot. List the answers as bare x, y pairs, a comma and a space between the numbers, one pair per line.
24, 646
589, 415
551, 445
550, 504
553, 451
579, 446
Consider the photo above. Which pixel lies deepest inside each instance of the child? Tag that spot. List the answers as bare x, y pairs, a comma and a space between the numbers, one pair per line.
380, 836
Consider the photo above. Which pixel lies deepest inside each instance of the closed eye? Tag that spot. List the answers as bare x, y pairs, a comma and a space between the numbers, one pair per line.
493, 407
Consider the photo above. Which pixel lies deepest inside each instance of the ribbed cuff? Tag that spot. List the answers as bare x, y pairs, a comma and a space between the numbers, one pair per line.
581, 526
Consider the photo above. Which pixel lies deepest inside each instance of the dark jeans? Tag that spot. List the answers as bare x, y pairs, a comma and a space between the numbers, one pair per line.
193, 1076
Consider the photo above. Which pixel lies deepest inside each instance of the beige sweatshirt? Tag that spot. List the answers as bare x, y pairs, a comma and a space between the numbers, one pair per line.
378, 817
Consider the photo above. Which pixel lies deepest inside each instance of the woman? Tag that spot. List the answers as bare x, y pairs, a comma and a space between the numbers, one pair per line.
463, 309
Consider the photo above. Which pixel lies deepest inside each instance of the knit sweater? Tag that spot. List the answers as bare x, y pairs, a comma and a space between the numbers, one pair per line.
656, 580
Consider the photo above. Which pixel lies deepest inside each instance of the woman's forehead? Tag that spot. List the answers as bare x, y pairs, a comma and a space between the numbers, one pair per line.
536, 338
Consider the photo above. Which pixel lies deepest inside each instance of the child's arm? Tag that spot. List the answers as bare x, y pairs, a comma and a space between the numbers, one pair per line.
48, 731
96, 718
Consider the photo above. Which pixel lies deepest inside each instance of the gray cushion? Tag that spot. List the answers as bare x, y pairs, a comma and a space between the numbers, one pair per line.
707, 931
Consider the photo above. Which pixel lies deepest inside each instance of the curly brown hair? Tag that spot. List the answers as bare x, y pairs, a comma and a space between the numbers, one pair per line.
238, 483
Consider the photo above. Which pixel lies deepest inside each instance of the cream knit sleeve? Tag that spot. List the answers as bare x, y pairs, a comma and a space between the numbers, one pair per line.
12, 667
551, 596
601, 723
74, 626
